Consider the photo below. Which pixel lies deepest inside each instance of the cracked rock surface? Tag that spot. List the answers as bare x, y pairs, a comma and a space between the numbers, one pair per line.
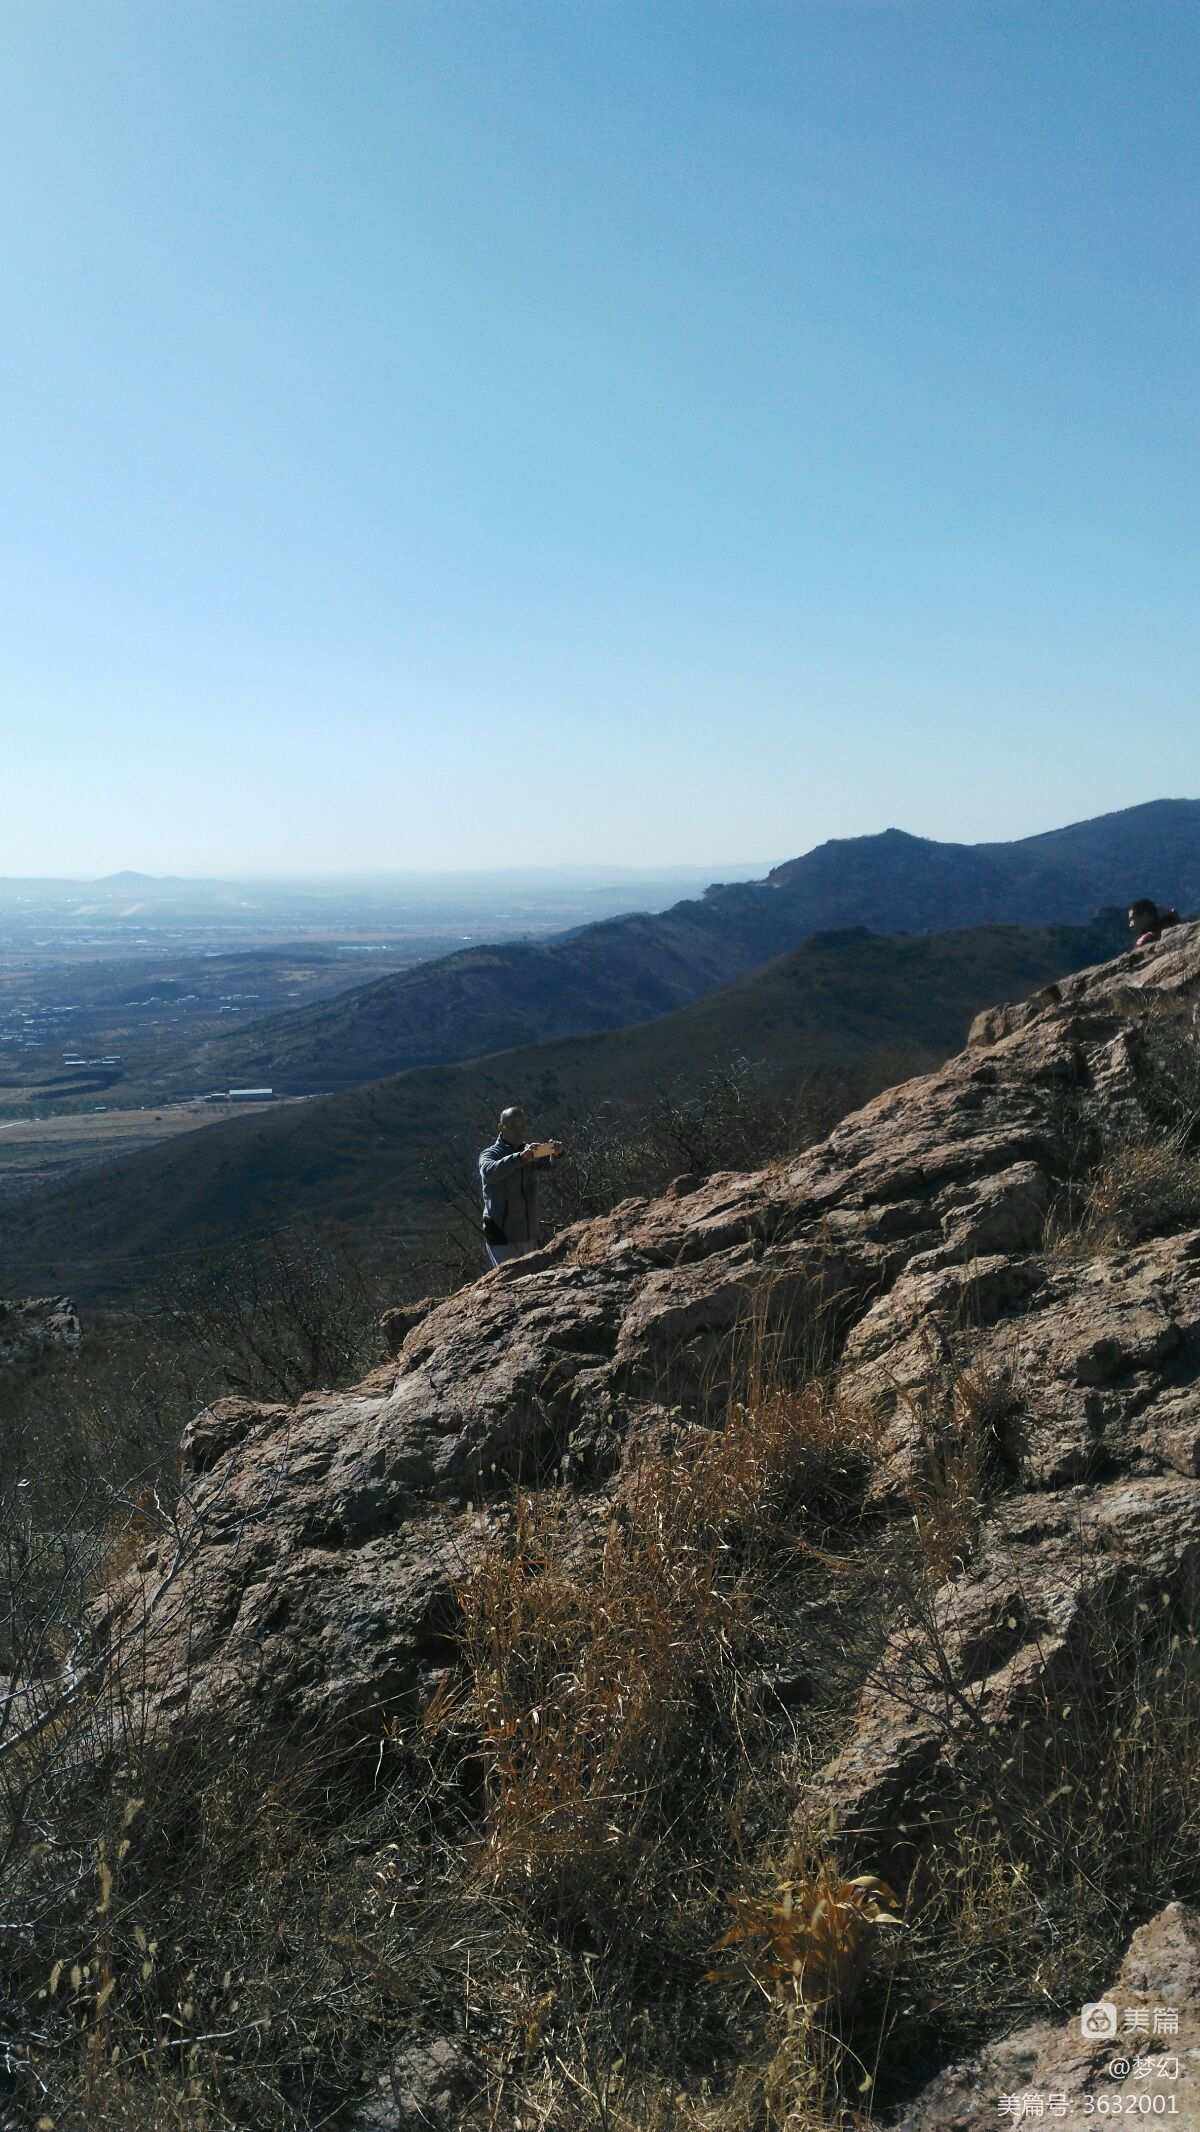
1096, 2078
323, 1540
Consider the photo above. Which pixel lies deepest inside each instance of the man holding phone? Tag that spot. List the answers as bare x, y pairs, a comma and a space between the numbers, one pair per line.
508, 1176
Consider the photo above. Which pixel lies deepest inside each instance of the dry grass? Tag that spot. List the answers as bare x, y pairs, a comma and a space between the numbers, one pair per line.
546, 1865
630, 1775
593, 1667
238, 1951
584, 1685
1145, 1188
963, 1416
1145, 1182
1045, 1847
811, 1934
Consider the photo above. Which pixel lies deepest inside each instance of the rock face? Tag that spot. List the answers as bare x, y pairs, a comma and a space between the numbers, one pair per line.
324, 1539
1079, 2079
424, 2090
31, 1328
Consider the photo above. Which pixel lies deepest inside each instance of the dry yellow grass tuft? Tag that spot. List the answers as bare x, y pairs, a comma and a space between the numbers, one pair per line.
1146, 1189
590, 1666
813, 1936
584, 1681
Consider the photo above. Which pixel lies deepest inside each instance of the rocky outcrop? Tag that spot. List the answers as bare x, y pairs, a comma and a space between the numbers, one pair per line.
397, 1323
1054, 1582
34, 1327
1133, 2054
323, 1540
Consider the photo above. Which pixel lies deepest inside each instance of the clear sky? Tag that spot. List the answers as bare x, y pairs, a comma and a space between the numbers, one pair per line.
490, 432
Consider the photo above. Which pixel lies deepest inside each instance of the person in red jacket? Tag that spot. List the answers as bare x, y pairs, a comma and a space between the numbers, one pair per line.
1148, 922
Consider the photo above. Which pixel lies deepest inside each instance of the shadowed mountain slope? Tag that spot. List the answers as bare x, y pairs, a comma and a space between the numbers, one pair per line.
865, 1008
631, 969
816, 1543
996, 1462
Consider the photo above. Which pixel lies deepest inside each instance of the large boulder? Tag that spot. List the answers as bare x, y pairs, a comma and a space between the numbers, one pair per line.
1056, 1582
1132, 2054
314, 1564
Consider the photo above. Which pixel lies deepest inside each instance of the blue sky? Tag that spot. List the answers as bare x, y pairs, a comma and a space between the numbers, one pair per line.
542, 431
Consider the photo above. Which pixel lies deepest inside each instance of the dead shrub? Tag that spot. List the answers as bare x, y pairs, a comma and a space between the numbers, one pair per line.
1042, 1847
963, 1416
280, 1316
1145, 1188
736, 1115
585, 1682
179, 1943
185, 1918
595, 1667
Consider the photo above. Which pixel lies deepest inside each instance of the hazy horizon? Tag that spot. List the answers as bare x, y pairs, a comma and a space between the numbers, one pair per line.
597, 870
579, 869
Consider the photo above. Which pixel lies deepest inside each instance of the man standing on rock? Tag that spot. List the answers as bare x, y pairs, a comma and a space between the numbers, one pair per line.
508, 1175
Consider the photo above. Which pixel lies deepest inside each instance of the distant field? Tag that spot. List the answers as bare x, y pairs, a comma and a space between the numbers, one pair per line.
127, 1019
38, 1151
380, 1164
143, 984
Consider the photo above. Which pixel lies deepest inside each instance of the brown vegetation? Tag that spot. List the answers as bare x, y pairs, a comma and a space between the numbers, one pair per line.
594, 1877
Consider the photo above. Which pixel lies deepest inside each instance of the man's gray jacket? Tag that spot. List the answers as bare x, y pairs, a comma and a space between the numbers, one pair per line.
510, 1189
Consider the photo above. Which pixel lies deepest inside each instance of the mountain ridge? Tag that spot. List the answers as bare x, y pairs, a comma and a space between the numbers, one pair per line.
616, 971
862, 1006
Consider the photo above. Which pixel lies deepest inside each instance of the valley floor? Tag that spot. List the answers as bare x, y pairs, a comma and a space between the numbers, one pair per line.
38, 1151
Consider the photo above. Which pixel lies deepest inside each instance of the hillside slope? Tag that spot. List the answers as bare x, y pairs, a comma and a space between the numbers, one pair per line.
931, 1198
866, 1008
630, 969
920, 1607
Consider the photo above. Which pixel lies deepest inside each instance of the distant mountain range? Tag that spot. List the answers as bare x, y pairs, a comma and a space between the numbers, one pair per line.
631, 969
128, 891
872, 1009
441, 910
